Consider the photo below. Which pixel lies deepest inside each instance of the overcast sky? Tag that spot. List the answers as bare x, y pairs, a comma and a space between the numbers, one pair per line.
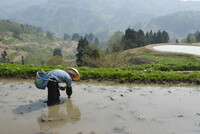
191, 0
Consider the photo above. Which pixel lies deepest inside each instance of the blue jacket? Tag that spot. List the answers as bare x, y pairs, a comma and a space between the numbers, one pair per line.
61, 76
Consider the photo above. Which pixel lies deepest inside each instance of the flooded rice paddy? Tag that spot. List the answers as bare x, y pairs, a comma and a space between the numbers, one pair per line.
179, 48
100, 109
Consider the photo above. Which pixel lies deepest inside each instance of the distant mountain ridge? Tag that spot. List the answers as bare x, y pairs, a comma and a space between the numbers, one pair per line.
99, 17
181, 23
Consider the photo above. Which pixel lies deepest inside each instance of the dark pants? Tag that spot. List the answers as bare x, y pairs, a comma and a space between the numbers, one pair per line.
53, 92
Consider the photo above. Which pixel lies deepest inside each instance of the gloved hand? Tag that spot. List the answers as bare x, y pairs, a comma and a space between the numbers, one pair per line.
69, 91
61, 88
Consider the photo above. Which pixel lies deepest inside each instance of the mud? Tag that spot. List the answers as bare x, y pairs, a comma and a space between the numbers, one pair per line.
100, 109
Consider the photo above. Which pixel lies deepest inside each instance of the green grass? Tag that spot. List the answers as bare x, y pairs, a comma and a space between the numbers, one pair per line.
169, 58
11, 41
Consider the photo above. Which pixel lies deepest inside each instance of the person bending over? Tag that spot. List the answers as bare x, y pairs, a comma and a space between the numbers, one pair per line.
58, 76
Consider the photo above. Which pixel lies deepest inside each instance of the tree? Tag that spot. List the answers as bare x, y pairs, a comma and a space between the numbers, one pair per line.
191, 38
90, 37
116, 37
86, 54
76, 37
177, 41
147, 37
151, 35
56, 60
130, 34
96, 41
128, 39
81, 46
49, 35
4, 54
165, 37
39, 30
159, 37
140, 38
66, 36
114, 43
57, 52
198, 37
16, 33
22, 60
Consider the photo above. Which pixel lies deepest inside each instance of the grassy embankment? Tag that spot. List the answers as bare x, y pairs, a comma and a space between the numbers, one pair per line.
169, 69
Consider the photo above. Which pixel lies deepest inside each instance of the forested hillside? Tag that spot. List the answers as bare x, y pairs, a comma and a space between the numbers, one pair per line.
100, 17
180, 23
8, 26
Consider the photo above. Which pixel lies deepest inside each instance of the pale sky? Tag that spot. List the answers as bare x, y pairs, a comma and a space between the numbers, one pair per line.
190, 0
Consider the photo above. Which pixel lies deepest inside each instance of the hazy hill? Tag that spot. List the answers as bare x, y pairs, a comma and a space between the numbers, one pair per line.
180, 23
86, 16
8, 7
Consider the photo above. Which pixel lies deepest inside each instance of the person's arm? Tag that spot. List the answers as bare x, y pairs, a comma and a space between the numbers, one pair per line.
69, 91
69, 86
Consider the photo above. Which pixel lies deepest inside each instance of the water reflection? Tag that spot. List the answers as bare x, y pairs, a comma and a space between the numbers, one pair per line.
179, 48
58, 116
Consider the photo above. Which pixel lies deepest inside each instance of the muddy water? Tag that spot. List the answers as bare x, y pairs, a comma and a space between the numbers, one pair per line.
100, 109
